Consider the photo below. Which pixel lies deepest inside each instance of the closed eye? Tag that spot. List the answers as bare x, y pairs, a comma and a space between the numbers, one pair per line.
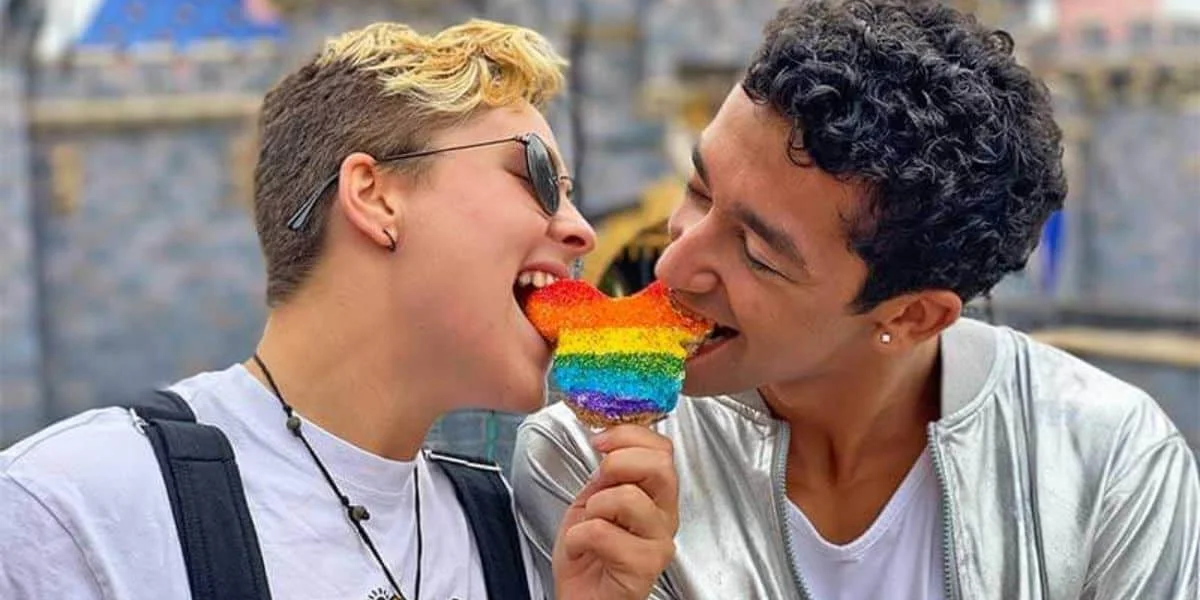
696, 195
753, 262
525, 180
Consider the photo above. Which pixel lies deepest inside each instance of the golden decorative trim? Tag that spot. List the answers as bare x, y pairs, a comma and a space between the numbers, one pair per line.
615, 233
1155, 347
649, 243
66, 179
141, 111
619, 31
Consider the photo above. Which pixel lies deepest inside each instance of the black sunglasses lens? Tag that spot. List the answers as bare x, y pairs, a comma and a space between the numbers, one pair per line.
542, 174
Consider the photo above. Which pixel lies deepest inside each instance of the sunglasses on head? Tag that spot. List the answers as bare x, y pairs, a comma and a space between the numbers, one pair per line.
548, 184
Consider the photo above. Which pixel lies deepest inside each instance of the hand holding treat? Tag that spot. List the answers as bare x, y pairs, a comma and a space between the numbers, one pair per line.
618, 535
616, 360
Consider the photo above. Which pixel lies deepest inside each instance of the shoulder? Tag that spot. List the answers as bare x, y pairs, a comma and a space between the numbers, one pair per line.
96, 453
97, 466
93, 454
1111, 424
1066, 389
88, 487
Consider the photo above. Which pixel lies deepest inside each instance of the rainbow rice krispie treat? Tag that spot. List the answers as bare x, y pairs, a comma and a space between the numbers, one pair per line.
616, 360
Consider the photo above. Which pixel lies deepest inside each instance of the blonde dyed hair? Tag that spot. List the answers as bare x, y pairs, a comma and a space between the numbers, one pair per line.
383, 90
456, 71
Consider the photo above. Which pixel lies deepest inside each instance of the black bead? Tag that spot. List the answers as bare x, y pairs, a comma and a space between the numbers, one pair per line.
293, 424
359, 513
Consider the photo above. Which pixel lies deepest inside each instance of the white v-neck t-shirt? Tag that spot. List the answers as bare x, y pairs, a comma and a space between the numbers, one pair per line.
899, 557
84, 514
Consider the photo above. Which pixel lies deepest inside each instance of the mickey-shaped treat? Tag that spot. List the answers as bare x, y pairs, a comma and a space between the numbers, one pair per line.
616, 360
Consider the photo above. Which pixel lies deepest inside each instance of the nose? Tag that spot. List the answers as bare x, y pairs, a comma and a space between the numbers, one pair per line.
685, 264
572, 231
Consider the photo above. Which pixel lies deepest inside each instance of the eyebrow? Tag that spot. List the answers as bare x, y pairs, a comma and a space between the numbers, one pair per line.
776, 238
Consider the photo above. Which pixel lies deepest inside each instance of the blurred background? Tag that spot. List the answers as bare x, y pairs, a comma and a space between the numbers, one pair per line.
127, 144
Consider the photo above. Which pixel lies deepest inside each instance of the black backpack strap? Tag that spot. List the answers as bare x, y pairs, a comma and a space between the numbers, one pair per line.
486, 500
220, 547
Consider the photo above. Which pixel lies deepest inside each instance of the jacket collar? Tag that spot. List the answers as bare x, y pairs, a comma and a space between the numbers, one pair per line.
968, 354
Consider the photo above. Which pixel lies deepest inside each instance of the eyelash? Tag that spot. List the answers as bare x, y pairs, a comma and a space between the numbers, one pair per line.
525, 180
697, 196
752, 262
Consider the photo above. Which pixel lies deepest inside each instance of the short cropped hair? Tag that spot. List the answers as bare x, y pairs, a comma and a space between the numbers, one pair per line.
383, 89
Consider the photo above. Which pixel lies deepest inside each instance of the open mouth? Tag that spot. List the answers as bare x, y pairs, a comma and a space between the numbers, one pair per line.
717, 334
528, 282
715, 337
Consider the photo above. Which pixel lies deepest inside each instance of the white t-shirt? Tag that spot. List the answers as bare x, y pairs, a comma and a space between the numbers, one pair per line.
84, 513
899, 557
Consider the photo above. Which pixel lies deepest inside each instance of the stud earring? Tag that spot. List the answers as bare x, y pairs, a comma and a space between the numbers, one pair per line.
391, 241
885, 338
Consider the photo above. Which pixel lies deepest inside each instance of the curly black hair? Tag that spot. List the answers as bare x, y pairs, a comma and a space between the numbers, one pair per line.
953, 140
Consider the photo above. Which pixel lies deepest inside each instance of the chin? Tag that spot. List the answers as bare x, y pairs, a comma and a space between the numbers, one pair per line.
705, 382
523, 394
530, 404
701, 389
532, 398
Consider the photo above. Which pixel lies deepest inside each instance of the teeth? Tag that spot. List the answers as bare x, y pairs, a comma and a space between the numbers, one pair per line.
537, 279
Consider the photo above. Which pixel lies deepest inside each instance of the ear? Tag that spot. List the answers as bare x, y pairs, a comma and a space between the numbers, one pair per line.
369, 204
911, 319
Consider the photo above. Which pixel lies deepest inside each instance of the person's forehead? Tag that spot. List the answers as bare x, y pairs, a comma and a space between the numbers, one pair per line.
750, 126
500, 122
742, 147
745, 154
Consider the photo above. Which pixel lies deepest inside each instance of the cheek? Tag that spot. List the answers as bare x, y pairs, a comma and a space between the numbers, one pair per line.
797, 319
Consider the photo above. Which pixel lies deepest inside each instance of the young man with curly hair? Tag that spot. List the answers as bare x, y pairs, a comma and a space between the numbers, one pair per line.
847, 433
407, 190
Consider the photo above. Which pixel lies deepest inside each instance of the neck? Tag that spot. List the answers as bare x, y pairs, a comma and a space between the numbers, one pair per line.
347, 375
849, 425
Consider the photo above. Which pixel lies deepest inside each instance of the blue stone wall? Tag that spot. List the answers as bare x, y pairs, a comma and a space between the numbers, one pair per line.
21, 394
155, 274
1139, 214
1132, 249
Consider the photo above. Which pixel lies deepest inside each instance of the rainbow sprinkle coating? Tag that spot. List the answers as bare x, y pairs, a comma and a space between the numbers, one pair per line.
616, 360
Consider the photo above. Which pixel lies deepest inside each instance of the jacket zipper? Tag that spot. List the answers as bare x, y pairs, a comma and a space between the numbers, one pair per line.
779, 485
949, 580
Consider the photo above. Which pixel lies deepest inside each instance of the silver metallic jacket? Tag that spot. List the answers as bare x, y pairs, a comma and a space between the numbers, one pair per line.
1057, 481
